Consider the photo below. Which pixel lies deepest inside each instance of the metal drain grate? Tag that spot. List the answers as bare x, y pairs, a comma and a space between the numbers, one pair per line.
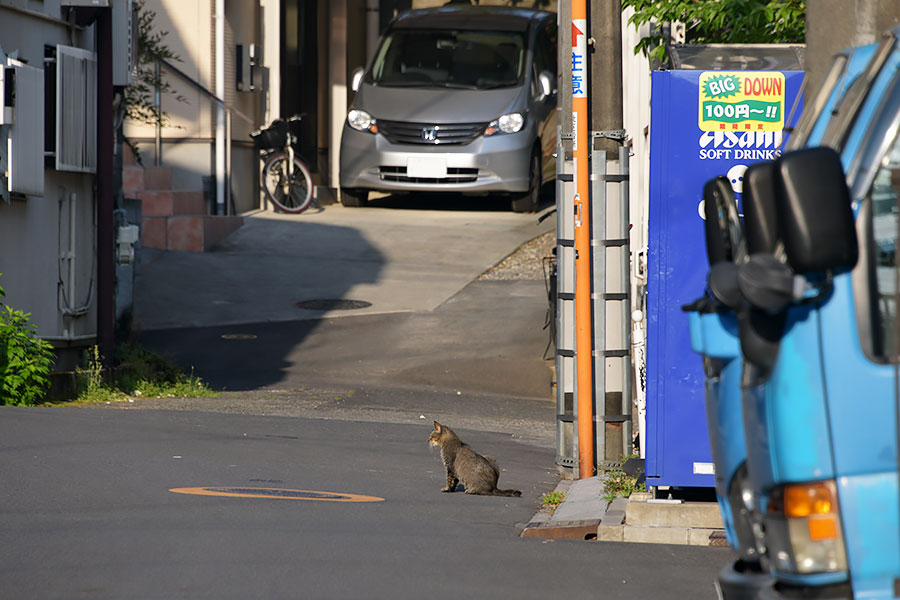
242, 491
332, 304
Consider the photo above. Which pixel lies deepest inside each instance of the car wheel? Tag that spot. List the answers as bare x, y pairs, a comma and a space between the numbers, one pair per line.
530, 200
353, 197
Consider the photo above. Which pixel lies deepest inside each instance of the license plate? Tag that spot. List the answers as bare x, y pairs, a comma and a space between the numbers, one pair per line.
426, 166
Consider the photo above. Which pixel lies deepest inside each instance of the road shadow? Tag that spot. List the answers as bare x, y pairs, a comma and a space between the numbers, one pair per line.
449, 201
223, 311
244, 316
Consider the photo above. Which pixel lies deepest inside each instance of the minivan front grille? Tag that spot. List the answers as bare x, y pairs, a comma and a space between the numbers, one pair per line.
400, 132
454, 175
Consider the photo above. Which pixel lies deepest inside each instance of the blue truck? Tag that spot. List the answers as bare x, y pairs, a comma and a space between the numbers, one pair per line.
800, 346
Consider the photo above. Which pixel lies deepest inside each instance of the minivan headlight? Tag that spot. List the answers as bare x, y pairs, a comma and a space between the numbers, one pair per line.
508, 123
360, 120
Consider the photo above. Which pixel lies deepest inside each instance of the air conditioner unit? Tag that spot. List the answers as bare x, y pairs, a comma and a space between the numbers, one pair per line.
22, 110
7, 93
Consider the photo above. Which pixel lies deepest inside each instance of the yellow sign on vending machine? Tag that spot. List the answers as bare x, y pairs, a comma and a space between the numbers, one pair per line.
741, 101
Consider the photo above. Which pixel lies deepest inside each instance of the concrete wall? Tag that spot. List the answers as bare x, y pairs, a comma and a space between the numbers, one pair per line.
832, 25
34, 230
189, 137
636, 120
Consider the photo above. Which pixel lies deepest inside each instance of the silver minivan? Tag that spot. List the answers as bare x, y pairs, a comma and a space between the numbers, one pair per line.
457, 99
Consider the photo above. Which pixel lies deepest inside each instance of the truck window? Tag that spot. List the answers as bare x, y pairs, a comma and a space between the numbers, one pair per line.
884, 196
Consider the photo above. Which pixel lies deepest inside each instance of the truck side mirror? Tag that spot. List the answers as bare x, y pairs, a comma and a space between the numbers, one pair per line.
724, 234
760, 214
814, 211
766, 282
356, 78
722, 282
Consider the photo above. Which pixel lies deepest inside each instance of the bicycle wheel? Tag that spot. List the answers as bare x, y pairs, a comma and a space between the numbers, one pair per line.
292, 196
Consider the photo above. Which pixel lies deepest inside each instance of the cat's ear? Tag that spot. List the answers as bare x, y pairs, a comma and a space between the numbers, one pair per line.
437, 426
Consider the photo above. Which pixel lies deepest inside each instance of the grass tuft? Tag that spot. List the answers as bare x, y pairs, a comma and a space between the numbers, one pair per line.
139, 373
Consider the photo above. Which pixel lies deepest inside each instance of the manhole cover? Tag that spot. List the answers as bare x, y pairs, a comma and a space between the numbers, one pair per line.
275, 493
332, 304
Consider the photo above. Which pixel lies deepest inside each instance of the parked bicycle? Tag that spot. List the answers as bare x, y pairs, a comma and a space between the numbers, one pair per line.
285, 177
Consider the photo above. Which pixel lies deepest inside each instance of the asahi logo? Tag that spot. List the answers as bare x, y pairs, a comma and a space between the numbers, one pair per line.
751, 145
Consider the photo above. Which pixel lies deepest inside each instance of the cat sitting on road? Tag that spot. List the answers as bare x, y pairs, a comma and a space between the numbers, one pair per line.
478, 473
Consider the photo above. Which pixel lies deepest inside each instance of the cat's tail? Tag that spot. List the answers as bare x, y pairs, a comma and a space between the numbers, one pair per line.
515, 493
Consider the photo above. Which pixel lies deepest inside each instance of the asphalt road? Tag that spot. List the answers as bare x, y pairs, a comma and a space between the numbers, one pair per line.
87, 512
329, 401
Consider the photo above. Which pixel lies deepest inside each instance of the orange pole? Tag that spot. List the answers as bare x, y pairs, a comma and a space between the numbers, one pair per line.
583, 335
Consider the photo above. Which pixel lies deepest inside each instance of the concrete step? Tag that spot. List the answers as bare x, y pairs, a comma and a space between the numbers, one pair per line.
684, 536
190, 233
664, 514
167, 203
664, 522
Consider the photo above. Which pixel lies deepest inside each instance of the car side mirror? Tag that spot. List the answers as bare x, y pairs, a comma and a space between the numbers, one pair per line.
760, 214
356, 78
814, 209
545, 79
724, 234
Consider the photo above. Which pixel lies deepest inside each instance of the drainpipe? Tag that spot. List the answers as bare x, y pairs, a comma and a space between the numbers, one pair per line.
337, 87
372, 22
71, 256
220, 109
105, 201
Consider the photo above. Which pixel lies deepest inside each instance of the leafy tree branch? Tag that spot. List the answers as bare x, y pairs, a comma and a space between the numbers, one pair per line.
719, 22
140, 105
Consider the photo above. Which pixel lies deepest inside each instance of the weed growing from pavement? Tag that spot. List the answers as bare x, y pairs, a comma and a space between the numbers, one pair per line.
553, 498
618, 483
138, 373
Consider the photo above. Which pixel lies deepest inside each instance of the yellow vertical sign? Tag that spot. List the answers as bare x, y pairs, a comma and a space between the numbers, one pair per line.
741, 101
584, 362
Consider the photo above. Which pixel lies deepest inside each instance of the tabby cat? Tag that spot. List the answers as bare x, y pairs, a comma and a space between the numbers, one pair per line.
478, 473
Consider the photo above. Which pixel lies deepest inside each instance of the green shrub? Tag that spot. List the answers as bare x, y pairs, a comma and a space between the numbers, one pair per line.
25, 359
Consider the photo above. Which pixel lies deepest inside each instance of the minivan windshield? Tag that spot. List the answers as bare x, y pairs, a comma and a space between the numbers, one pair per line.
449, 58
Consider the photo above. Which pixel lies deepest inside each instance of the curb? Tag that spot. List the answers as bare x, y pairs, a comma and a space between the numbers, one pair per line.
584, 515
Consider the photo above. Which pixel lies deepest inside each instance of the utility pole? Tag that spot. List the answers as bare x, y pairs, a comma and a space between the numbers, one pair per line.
832, 25
612, 394
606, 70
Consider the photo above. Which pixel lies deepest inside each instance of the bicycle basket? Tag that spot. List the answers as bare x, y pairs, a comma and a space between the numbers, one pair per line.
272, 137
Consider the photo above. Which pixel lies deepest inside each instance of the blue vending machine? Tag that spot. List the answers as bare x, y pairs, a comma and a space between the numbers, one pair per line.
703, 124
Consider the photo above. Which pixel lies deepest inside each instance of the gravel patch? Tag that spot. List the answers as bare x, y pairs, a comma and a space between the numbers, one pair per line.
527, 262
